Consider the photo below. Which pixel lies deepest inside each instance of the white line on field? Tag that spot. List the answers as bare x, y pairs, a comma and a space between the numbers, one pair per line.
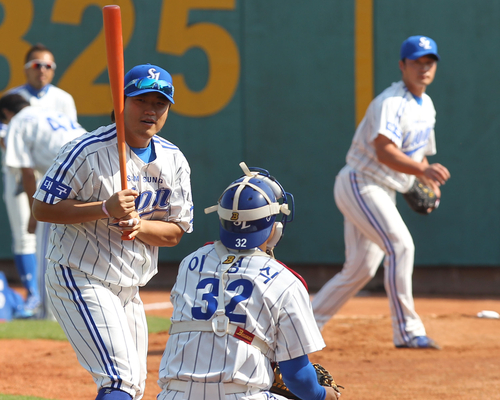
158, 306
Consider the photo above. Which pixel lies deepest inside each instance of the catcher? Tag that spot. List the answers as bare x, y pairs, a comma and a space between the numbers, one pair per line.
238, 311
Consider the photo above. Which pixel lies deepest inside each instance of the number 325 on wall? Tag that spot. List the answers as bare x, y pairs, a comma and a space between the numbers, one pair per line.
175, 37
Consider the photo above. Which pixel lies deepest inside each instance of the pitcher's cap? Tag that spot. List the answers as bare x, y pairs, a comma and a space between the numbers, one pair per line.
418, 46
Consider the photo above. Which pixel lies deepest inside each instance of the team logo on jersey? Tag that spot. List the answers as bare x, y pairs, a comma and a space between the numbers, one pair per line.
149, 201
235, 216
416, 140
425, 43
229, 260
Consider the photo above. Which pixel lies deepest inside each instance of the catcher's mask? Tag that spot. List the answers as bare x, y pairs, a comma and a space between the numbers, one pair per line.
248, 208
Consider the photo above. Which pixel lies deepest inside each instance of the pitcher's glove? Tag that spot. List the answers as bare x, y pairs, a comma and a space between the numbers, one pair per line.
324, 379
421, 198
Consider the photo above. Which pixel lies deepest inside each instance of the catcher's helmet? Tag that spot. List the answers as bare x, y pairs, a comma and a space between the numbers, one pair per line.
248, 208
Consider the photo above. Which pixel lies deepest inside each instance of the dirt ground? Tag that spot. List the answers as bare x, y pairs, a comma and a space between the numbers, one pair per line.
359, 354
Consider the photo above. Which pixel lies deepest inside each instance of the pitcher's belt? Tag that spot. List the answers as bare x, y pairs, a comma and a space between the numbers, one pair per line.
229, 388
233, 330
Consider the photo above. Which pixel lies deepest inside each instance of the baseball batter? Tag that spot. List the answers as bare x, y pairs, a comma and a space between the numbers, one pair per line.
237, 309
35, 136
389, 149
93, 275
38, 90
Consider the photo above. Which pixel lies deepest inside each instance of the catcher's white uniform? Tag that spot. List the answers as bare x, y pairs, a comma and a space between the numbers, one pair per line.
35, 136
365, 193
261, 297
93, 276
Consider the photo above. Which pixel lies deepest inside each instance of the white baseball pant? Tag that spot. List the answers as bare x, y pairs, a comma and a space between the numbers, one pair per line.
373, 228
105, 324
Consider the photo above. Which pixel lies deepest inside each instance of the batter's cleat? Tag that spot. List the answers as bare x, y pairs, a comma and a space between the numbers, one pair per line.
420, 342
30, 308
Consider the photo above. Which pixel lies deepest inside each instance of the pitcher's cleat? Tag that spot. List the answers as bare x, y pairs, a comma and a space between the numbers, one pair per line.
420, 342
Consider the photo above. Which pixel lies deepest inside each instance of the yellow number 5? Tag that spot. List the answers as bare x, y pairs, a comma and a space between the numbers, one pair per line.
175, 37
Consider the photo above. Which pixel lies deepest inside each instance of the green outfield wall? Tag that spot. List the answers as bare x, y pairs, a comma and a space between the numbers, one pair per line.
280, 84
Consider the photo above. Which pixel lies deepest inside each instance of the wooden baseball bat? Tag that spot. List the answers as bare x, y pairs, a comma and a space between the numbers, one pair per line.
114, 52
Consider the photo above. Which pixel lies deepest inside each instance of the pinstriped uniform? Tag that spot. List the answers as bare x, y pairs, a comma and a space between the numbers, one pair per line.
49, 97
397, 115
365, 193
93, 276
17, 205
261, 296
35, 136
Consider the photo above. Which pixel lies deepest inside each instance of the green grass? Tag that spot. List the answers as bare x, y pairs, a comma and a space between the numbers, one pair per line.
158, 324
31, 329
12, 397
41, 329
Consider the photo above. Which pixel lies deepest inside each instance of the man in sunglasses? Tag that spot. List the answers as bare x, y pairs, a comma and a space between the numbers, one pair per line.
38, 90
104, 241
39, 69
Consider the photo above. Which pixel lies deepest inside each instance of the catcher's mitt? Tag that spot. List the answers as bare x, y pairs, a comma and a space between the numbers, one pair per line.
421, 198
324, 379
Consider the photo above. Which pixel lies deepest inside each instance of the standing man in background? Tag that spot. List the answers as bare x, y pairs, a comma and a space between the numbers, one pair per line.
388, 152
105, 239
38, 90
34, 137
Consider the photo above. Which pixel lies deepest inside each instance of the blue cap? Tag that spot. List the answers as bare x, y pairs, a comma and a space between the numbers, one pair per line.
148, 78
418, 46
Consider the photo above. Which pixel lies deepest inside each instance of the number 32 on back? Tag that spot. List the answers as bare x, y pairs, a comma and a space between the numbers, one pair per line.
174, 37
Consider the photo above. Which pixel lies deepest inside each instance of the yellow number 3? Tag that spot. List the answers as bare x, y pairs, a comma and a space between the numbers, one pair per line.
18, 16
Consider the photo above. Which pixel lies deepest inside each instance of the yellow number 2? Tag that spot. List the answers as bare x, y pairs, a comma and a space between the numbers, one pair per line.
90, 98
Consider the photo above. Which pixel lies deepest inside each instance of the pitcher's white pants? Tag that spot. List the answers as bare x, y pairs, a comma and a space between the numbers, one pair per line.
373, 228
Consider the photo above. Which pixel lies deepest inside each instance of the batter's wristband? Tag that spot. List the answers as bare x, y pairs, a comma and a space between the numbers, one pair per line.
105, 209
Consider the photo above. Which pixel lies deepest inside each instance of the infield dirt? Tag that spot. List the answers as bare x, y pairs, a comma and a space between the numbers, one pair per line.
359, 354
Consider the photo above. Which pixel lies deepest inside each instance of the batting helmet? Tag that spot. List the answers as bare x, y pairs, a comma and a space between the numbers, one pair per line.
248, 208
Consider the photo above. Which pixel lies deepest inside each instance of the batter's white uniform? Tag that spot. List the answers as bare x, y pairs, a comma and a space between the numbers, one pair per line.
365, 193
35, 136
16, 202
93, 276
262, 297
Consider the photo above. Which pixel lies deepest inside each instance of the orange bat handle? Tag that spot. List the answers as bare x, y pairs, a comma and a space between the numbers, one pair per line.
114, 53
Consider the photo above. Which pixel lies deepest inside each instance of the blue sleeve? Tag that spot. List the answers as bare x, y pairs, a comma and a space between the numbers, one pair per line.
300, 377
